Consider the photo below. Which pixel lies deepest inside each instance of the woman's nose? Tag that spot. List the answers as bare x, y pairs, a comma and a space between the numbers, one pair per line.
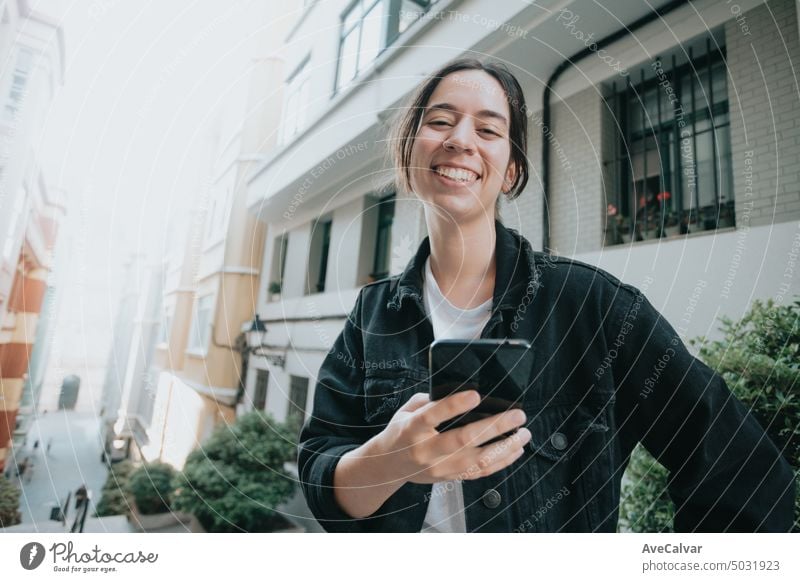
461, 138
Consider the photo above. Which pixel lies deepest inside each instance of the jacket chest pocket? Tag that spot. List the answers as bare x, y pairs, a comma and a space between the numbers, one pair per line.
386, 392
561, 467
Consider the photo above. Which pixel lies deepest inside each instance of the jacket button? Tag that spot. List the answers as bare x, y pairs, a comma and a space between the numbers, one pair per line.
559, 441
491, 498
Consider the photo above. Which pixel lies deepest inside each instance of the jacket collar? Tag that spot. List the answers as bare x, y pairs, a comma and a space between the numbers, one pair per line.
516, 269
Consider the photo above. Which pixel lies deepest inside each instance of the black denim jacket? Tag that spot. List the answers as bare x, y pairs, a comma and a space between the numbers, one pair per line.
609, 372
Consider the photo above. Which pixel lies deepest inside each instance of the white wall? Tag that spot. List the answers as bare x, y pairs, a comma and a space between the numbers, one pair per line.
699, 278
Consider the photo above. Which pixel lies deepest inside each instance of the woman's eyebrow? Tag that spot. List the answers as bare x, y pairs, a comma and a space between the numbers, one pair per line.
481, 113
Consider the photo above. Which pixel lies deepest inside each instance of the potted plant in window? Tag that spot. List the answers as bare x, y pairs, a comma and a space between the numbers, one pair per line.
671, 225
625, 231
725, 216
274, 291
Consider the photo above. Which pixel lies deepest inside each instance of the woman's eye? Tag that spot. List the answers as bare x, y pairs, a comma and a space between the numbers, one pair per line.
438, 122
490, 131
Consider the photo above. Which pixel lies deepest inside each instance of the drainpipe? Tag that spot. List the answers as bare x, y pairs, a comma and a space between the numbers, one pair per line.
604, 42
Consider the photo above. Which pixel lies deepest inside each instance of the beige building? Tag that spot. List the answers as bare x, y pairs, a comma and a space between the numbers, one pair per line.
210, 287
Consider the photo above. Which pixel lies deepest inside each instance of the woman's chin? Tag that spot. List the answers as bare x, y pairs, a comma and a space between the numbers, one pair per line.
457, 208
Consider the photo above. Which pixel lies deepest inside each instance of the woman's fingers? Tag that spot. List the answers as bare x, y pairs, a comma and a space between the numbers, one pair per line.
417, 401
484, 461
493, 465
480, 431
435, 413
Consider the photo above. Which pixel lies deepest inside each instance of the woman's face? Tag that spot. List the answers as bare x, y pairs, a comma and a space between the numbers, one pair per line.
461, 157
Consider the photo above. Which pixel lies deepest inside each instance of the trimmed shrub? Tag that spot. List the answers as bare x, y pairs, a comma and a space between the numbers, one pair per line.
9, 503
113, 497
235, 481
150, 486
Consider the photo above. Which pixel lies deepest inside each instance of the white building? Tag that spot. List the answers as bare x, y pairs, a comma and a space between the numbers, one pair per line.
711, 86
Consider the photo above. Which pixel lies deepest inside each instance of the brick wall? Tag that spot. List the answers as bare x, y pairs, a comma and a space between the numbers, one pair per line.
765, 113
576, 183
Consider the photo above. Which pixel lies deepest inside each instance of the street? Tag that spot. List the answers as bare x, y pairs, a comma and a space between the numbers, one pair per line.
73, 459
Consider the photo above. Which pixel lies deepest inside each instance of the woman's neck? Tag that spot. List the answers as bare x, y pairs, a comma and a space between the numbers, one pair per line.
463, 259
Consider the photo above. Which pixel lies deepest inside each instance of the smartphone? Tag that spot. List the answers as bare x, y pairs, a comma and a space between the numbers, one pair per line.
500, 370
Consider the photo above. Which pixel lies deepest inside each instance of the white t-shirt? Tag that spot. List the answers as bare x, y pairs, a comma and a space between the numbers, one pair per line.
446, 506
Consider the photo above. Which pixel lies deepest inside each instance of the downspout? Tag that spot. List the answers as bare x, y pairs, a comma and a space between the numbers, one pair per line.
604, 42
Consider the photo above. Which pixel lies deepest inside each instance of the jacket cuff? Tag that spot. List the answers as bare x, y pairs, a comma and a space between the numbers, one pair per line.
318, 489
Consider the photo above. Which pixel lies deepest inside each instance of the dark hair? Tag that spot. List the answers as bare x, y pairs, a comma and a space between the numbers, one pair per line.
404, 127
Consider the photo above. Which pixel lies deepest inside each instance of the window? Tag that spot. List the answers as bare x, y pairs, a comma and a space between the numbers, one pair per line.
296, 102
278, 266
19, 79
369, 26
318, 256
672, 163
298, 394
166, 326
217, 218
383, 238
16, 216
260, 394
201, 323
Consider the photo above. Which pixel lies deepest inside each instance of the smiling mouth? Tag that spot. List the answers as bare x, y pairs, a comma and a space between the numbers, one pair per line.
457, 175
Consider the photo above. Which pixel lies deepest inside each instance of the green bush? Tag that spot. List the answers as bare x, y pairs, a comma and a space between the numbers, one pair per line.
9, 503
150, 486
236, 479
759, 359
645, 505
114, 498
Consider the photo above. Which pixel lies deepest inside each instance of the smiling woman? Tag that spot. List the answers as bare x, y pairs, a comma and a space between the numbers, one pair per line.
371, 457
468, 124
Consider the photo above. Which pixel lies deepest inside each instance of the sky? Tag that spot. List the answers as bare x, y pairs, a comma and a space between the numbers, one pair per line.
126, 137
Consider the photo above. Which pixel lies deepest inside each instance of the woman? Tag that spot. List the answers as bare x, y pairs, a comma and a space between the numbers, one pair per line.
609, 371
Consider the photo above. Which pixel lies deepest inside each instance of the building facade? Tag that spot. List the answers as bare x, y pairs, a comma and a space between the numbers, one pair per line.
664, 148
32, 53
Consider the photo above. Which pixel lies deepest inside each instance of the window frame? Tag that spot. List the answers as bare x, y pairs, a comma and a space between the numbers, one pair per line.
624, 206
201, 345
386, 205
389, 33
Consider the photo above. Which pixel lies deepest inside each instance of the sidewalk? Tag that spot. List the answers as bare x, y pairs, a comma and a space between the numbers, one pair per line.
74, 458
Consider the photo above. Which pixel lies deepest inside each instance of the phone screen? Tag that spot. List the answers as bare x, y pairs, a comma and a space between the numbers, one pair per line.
499, 370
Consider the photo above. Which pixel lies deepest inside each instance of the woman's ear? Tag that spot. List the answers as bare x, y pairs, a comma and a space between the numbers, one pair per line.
510, 177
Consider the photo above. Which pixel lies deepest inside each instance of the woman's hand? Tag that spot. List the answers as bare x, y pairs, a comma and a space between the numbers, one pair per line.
418, 453
410, 449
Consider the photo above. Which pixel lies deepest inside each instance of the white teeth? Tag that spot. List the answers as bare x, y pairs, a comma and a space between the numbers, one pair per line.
458, 174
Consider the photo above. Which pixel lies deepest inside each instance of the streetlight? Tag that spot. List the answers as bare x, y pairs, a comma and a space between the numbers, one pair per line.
256, 333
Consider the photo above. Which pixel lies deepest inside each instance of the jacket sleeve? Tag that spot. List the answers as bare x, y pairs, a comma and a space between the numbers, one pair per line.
725, 472
335, 426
